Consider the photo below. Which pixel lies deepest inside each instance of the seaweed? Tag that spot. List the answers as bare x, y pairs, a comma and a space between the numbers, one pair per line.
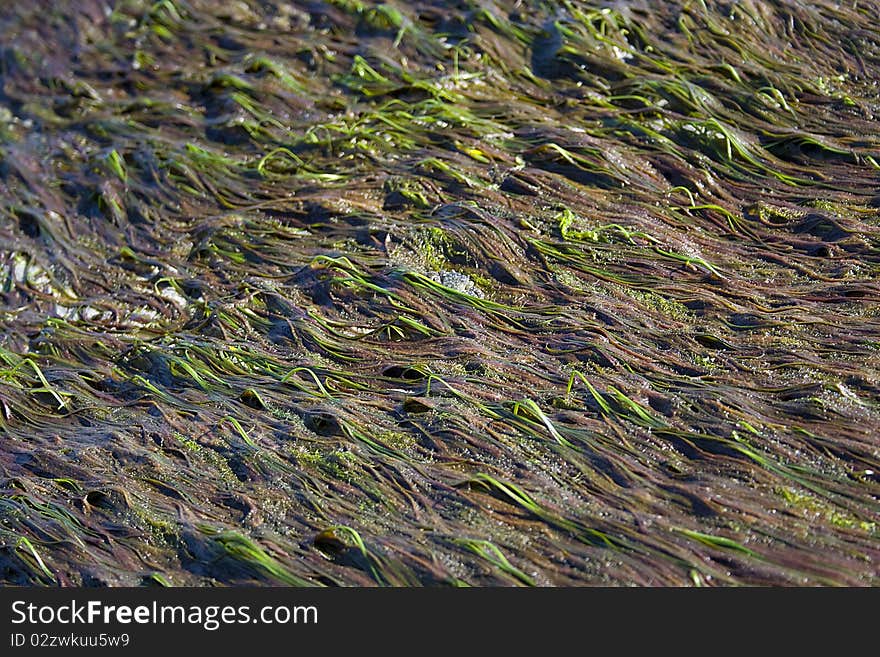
393, 294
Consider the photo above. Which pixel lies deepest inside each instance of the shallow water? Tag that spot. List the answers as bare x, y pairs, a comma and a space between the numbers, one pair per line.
475, 293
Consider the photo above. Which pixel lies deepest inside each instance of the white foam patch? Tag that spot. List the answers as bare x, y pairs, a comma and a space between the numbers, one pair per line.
174, 296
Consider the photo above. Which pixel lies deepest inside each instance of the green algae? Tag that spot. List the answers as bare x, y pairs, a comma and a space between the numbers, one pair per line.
359, 293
